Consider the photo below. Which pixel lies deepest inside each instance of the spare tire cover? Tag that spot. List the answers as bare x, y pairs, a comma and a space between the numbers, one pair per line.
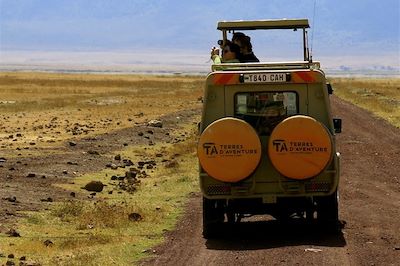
300, 147
229, 149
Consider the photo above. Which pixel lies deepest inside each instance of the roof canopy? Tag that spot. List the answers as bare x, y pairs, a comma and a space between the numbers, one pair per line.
263, 24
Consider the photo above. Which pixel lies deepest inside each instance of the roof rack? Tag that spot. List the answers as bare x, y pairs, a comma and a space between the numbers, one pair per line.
263, 24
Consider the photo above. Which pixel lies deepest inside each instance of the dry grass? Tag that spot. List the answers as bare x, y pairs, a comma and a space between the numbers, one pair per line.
380, 96
50, 108
45, 109
99, 232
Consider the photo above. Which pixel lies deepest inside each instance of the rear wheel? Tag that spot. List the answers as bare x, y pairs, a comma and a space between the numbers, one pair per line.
328, 211
213, 217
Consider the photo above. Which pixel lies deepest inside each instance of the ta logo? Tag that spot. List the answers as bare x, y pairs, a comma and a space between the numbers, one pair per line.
210, 148
280, 145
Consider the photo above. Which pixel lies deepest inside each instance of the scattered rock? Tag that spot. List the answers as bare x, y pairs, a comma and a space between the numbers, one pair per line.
93, 152
48, 243
13, 233
95, 186
3, 160
31, 175
90, 226
149, 251
134, 217
47, 200
171, 164
117, 157
10, 263
114, 166
151, 162
139, 114
65, 172
10, 256
155, 123
315, 250
72, 194
72, 144
11, 199
132, 173
128, 186
22, 258
127, 162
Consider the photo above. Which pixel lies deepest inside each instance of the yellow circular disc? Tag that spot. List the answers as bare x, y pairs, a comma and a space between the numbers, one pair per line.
300, 147
229, 149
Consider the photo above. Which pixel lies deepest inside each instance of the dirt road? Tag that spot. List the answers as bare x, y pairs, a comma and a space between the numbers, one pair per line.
369, 210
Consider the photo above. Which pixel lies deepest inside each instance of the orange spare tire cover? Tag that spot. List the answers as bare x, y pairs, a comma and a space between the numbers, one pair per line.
229, 149
300, 147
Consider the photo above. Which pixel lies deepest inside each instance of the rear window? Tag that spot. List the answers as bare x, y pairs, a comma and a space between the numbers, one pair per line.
264, 110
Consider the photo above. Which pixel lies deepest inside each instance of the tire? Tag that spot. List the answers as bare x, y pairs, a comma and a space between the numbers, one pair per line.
213, 217
328, 212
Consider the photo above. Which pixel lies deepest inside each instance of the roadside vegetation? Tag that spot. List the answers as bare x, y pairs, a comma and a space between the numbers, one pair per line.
378, 95
114, 229
41, 112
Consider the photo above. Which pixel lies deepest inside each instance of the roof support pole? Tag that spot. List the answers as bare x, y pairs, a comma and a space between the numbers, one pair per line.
224, 37
305, 44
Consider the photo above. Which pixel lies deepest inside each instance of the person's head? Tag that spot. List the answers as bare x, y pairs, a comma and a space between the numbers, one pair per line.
237, 35
243, 41
230, 51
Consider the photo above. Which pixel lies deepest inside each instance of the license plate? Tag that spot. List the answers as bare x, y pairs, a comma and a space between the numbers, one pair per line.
265, 77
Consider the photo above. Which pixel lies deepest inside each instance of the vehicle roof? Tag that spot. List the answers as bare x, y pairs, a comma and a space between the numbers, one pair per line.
263, 24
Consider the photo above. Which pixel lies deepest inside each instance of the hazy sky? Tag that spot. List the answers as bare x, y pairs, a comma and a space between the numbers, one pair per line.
339, 27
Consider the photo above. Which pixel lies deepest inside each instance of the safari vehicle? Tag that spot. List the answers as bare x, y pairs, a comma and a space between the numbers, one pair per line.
267, 139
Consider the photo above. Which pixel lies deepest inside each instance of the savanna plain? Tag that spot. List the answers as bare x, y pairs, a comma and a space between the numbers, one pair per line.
95, 169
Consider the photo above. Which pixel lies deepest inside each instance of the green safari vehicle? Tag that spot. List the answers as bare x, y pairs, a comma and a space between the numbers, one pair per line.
267, 139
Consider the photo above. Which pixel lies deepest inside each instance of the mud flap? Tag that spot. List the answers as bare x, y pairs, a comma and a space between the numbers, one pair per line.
213, 217
328, 212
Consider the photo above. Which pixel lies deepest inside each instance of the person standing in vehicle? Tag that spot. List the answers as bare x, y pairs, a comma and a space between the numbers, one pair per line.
246, 48
230, 54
